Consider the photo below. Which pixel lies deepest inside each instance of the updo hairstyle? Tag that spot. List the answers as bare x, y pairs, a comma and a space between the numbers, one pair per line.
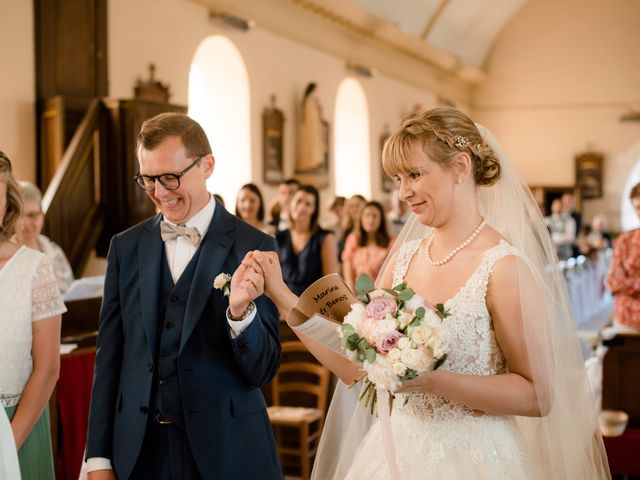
444, 132
13, 209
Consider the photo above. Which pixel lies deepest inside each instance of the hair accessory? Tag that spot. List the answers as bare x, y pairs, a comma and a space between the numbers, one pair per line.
460, 142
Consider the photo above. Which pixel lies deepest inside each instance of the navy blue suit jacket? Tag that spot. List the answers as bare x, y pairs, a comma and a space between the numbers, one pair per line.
220, 378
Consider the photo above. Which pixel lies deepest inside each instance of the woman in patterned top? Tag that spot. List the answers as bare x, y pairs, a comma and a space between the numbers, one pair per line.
624, 274
31, 236
29, 336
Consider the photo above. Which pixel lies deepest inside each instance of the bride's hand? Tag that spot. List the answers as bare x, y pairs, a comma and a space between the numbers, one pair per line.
247, 284
420, 384
268, 264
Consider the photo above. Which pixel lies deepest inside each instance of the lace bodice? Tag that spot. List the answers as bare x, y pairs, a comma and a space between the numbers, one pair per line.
473, 349
29, 293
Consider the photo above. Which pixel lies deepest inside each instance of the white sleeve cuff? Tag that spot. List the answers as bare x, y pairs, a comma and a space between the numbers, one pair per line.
98, 463
239, 326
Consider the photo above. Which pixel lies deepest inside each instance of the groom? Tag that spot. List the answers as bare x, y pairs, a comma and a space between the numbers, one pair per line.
178, 372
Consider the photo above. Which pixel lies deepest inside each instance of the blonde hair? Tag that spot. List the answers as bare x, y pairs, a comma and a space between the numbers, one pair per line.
443, 132
13, 209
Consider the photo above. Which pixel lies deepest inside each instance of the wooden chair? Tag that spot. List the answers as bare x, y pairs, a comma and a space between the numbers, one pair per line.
299, 397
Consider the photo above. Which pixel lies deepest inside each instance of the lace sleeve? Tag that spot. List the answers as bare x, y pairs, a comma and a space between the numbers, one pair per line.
45, 297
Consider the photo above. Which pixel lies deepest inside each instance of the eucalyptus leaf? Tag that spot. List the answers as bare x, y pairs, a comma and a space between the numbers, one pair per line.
406, 294
347, 329
364, 298
371, 355
416, 322
400, 287
364, 284
420, 311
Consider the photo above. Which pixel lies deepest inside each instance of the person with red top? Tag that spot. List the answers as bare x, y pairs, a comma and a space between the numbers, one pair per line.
624, 274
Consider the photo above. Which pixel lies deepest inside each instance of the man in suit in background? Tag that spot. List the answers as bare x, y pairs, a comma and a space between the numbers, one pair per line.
179, 368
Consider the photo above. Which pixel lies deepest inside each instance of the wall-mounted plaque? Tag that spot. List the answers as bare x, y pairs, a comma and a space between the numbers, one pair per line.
589, 174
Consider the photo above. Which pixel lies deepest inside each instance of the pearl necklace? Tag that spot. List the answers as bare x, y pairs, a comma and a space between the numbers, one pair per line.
455, 251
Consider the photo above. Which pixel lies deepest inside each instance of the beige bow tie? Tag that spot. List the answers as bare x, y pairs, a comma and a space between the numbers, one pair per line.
169, 231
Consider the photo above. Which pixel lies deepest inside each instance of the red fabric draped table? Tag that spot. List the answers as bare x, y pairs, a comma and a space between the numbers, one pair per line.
74, 395
624, 452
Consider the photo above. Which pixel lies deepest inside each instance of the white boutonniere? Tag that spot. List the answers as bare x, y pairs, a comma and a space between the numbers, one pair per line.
223, 282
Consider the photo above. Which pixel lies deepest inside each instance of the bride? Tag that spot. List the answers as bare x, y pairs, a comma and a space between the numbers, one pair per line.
512, 399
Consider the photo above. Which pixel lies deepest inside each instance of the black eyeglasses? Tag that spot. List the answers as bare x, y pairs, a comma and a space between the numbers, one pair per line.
170, 181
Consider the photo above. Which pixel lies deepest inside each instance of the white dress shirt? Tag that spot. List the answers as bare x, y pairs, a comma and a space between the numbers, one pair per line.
179, 252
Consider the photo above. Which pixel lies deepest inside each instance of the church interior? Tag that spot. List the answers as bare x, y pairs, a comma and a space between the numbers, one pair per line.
557, 82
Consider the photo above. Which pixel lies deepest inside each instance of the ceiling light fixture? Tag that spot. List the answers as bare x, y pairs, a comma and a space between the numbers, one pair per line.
232, 21
362, 70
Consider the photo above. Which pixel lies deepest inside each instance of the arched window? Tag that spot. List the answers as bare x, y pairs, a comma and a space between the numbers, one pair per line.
219, 101
351, 139
628, 217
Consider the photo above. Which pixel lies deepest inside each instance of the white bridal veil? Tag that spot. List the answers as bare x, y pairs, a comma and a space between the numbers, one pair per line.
564, 443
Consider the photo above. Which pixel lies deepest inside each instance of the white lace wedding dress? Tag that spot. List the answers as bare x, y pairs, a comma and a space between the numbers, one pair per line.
437, 439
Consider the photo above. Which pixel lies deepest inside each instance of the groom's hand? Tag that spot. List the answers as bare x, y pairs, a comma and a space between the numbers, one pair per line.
247, 284
101, 475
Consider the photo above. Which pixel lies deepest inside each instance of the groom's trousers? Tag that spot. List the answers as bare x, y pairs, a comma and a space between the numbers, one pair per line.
165, 455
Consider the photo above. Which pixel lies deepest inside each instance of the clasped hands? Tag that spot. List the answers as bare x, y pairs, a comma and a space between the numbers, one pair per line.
258, 274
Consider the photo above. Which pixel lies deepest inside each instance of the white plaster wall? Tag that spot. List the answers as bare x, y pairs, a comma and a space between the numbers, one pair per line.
559, 77
168, 32
17, 86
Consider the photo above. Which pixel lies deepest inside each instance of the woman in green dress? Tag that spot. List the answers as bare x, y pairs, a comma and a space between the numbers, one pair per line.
29, 336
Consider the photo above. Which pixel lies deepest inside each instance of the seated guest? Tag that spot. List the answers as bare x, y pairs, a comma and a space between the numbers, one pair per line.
250, 206
624, 275
280, 209
307, 252
367, 246
352, 208
399, 213
31, 236
29, 336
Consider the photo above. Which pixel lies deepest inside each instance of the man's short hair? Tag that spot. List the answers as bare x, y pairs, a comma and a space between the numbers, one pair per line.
157, 129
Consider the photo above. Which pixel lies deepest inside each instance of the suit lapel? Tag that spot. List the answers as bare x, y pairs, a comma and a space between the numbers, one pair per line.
215, 248
150, 253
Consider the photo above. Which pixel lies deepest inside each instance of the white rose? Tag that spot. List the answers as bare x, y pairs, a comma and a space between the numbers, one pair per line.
399, 368
405, 318
425, 363
385, 326
381, 373
221, 280
394, 354
420, 335
355, 316
432, 319
437, 346
410, 357
404, 343
414, 303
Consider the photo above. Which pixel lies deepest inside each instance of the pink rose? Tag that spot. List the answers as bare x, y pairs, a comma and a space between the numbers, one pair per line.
380, 306
388, 341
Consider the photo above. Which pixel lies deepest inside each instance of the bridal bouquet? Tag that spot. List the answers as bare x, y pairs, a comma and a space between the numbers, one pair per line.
396, 335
